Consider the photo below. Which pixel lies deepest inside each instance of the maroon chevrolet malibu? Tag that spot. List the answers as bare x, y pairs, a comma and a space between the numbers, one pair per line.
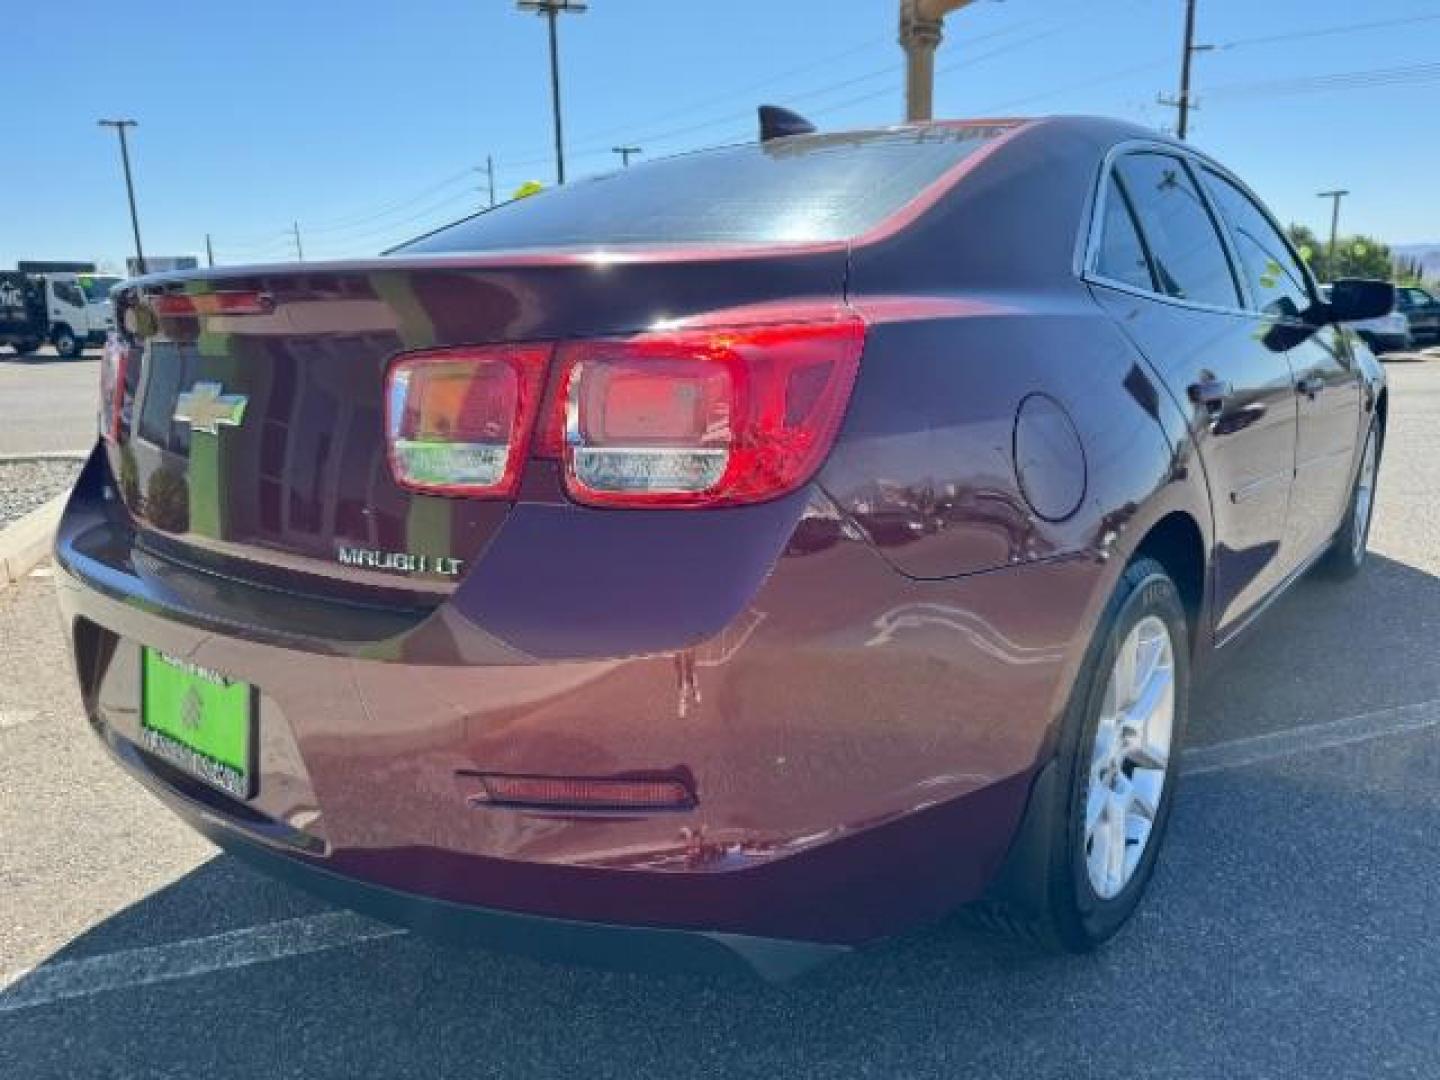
737, 558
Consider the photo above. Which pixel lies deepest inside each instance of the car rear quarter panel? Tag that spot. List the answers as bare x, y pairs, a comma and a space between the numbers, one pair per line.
974, 310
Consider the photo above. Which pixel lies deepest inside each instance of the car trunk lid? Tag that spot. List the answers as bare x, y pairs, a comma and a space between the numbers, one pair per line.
250, 435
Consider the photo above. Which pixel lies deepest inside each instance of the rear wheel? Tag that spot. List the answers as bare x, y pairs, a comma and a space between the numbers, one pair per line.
1347, 551
66, 343
1097, 820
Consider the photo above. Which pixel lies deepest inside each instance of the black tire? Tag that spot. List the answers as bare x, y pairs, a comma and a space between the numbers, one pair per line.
1346, 556
26, 346
1044, 892
66, 343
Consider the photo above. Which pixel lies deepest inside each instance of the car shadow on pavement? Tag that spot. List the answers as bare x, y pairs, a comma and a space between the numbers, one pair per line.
51, 357
1289, 927
1325, 651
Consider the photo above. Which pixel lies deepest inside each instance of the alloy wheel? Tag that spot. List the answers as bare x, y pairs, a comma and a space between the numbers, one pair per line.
1130, 758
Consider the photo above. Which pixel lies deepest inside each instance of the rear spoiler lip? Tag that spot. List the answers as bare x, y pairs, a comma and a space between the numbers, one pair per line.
497, 260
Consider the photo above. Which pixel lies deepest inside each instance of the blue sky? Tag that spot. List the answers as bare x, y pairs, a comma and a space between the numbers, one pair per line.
363, 120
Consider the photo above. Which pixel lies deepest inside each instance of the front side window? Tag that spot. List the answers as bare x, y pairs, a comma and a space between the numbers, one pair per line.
1121, 256
1185, 248
67, 292
97, 288
1277, 283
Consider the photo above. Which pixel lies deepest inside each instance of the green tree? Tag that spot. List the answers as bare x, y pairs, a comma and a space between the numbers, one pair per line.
1355, 256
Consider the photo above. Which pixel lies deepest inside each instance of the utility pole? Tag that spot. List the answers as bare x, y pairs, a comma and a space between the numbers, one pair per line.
921, 28
120, 126
209, 251
550, 9
1334, 197
1187, 53
1185, 102
490, 177
299, 247
625, 152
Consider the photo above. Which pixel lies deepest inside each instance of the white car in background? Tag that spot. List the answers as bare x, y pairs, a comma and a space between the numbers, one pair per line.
1384, 333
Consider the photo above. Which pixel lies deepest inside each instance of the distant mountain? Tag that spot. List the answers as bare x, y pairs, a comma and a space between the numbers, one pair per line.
1428, 254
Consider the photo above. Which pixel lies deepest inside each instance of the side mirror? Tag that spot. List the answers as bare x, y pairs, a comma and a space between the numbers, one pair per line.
1353, 299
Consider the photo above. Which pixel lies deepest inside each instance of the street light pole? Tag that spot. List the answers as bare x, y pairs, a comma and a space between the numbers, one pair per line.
1334, 197
921, 28
625, 152
550, 9
120, 126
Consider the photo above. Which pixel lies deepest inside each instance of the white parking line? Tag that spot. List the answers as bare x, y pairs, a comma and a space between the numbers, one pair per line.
1255, 749
128, 968
64, 980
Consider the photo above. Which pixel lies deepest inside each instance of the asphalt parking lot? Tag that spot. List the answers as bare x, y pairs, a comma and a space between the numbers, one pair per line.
1291, 929
47, 405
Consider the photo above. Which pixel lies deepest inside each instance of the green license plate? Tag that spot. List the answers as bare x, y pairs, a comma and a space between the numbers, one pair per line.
199, 720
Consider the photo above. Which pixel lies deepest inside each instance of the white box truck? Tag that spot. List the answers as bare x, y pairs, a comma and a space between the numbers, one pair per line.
67, 309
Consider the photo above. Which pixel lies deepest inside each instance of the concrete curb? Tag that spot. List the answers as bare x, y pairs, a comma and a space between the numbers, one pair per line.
42, 455
27, 542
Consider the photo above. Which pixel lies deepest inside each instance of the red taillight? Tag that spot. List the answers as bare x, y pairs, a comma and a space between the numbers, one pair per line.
458, 421
113, 362
581, 793
703, 417
235, 302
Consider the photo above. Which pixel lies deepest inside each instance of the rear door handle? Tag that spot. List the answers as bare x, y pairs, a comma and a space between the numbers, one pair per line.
1310, 385
1210, 392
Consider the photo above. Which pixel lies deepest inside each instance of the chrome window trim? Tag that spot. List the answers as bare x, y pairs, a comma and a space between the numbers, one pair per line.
1088, 243
1307, 279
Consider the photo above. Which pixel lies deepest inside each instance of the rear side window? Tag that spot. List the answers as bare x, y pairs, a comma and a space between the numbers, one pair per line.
804, 188
1121, 256
1277, 283
1185, 248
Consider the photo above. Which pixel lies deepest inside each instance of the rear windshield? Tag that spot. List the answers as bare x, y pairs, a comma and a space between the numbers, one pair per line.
802, 188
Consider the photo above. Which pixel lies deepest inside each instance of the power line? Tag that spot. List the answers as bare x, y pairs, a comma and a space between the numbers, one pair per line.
1335, 81
1326, 31
467, 197
350, 229
736, 117
1083, 84
352, 220
605, 134
955, 65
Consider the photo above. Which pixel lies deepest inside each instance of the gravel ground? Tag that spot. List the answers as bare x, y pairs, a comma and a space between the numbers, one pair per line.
24, 485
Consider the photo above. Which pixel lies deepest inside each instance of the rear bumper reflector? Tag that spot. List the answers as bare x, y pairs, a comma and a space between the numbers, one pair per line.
581, 793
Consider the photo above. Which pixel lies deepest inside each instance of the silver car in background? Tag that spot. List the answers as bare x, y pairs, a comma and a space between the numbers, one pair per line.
1384, 333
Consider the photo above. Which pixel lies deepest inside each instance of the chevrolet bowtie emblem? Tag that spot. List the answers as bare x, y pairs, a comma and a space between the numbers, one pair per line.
205, 406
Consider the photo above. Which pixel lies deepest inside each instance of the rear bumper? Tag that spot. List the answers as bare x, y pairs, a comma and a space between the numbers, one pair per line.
861, 745
599, 944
